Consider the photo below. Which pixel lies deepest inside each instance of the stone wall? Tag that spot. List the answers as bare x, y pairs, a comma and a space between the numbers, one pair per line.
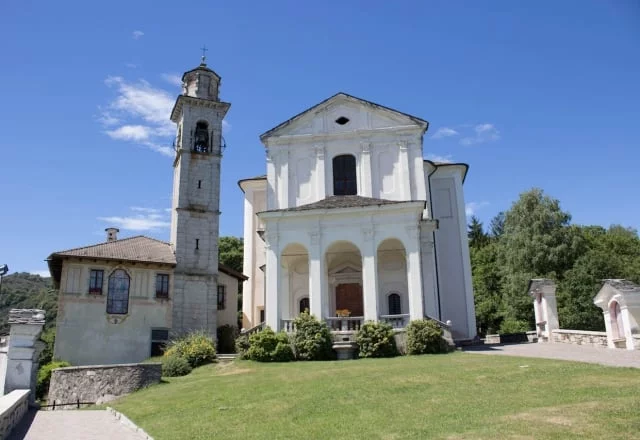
580, 337
100, 383
13, 407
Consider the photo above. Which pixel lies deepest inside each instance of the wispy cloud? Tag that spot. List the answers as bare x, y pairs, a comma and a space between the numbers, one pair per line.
131, 65
438, 158
141, 219
472, 208
482, 133
137, 35
130, 133
444, 132
44, 273
172, 78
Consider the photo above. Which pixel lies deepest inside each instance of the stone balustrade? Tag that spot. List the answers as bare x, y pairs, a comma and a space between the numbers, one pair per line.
396, 321
13, 407
347, 323
580, 337
289, 325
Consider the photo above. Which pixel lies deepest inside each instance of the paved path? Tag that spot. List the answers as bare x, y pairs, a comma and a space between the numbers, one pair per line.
567, 352
72, 425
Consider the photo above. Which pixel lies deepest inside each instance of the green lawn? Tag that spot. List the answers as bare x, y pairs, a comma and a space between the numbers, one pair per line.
454, 396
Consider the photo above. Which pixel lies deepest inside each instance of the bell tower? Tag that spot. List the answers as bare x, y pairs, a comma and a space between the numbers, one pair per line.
195, 210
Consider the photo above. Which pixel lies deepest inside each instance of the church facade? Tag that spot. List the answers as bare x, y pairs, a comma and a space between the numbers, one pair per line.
351, 223
120, 300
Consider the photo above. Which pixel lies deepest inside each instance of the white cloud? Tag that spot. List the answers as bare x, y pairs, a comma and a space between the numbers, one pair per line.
172, 78
483, 133
143, 219
43, 273
444, 132
472, 208
130, 133
137, 35
440, 159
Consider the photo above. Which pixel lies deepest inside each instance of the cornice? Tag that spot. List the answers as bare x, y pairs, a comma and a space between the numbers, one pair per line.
319, 137
197, 102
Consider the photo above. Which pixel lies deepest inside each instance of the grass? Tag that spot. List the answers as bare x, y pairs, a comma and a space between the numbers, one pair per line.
454, 396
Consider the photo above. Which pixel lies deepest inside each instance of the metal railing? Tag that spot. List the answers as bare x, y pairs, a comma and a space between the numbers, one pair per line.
396, 321
348, 323
77, 404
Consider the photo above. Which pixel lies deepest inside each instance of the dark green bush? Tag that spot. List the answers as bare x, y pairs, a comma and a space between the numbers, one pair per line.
269, 346
312, 340
242, 345
174, 366
511, 325
49, 338
375, 340
44, 377
198, 348
227, 338
425, 337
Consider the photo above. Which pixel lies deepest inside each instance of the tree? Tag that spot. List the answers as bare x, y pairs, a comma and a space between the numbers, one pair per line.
487, 287
476, 234
230, 252
536, 241
496, 227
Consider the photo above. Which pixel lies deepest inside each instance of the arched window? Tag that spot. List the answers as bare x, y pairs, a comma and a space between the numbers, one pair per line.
617, 326
344, 175
201, 142
304, 305
395, 308
118, 293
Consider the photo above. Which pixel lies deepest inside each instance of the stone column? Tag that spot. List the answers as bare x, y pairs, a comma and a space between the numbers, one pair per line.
273, 282
405, 182
321, 189
365, 170
22, 363
369, 275
543, 292
414, 273
317, 277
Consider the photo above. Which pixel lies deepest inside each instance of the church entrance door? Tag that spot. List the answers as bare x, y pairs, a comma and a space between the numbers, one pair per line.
349, 296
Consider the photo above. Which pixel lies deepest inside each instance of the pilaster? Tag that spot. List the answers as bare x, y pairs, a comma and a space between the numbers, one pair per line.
405, 182
273, 281
321, 189
414, 273
365, 169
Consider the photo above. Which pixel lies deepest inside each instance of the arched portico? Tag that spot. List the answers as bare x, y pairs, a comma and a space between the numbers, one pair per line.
344, 272
392, 272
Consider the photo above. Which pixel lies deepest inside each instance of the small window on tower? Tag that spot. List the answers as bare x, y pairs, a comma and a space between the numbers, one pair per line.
199, 184
197, 243
201, 143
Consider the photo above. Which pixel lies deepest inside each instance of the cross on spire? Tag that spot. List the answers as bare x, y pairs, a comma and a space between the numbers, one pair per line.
204, 53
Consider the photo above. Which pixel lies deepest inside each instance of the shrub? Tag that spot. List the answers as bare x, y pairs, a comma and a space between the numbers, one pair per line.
269, 346
197, 348
312, 340
375, 340
242, 345
425, 336
44, 377
49, 338
174, 366
226, 338
511, 325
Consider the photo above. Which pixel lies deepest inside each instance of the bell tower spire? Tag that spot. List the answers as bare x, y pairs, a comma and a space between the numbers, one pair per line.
195, 211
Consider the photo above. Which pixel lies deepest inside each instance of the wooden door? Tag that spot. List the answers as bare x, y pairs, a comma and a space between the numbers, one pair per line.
349, 296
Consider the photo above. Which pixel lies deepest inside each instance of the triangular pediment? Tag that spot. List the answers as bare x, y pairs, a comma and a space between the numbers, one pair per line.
343, 113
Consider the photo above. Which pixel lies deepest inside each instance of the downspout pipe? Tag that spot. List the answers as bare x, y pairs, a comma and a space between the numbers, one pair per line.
435, 247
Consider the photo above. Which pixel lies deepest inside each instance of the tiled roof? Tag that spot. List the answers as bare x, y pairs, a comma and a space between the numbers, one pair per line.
334, 202
623, 285
138, 248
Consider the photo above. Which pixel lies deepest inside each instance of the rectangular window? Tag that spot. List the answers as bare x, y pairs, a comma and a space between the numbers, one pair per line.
159, 339
162, 285
95, 281
261, 315
222, 296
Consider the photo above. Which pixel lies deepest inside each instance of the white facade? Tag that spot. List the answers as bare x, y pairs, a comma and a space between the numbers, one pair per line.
394, 243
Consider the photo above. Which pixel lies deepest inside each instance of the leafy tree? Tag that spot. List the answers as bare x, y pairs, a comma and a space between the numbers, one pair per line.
496, 227
487, 287
230, 252
537, 241
27, 291
476, 234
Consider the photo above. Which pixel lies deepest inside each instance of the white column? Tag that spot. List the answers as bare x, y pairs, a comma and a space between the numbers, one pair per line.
608, 329
369, 275
414, 273
283, 179
626, 322
285, 292
405, 178
317, 277
321, 189
273, 282
365, 170
430, 288
272, 184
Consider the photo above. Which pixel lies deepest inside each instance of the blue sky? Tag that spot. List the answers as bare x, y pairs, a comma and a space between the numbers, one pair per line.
541, 93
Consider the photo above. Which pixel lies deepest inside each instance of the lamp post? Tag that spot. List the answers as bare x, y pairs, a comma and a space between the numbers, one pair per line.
3, 271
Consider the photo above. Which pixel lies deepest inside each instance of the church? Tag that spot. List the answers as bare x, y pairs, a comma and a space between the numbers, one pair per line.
121, 300
349, 222
352, 224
